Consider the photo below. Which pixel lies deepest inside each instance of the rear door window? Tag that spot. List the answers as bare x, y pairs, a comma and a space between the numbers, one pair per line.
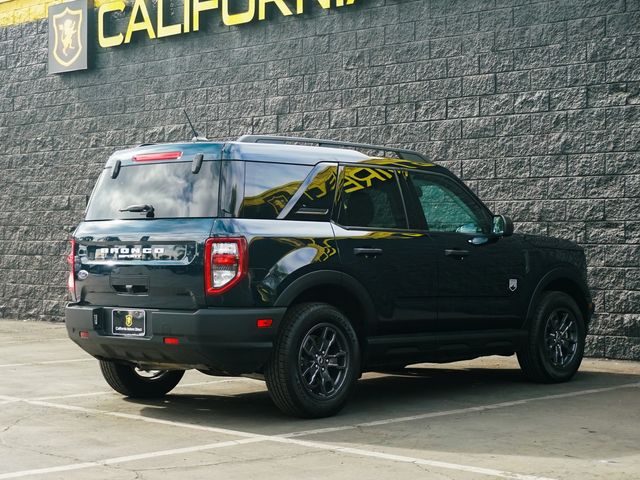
370, 198
170, 188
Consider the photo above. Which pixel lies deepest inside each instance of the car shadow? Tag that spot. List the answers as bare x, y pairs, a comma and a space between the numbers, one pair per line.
377, 397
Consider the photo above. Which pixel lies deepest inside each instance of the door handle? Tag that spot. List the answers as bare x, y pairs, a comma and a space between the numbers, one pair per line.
456, 253
367, 252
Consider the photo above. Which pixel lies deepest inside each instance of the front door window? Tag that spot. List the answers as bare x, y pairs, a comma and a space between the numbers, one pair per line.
447, 207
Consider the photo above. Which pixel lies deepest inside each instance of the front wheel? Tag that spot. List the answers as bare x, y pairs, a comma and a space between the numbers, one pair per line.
315, 363
136, 383
555, 346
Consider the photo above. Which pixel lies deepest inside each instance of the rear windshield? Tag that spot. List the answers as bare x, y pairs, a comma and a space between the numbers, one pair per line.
170, 188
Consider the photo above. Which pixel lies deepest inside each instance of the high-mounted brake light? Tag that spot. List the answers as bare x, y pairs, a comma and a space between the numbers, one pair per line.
71, 260
225, 263
153, 157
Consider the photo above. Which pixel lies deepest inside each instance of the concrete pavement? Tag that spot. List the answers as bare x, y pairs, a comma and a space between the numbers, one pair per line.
468, 420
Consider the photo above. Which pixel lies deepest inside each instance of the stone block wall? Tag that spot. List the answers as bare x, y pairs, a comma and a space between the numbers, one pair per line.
535, 104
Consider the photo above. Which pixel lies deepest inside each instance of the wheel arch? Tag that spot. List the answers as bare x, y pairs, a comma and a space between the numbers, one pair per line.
564, 280
335, 288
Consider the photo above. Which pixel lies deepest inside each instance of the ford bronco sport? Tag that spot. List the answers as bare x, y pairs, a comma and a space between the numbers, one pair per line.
307, 265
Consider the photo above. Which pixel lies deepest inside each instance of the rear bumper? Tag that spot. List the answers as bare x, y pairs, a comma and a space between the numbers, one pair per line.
219, 339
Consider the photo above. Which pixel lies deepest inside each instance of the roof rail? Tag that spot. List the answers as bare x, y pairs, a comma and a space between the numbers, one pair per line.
401, 152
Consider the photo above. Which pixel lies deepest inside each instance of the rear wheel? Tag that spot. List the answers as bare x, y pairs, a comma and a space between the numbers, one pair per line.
556, 341
136, 383
315, 363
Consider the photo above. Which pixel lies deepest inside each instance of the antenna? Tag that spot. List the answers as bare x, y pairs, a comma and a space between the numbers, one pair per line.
196, 137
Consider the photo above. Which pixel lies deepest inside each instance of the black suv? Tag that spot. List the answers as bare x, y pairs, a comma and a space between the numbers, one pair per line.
307, 265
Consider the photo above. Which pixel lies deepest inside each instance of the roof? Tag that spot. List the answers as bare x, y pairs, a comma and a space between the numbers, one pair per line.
270, 152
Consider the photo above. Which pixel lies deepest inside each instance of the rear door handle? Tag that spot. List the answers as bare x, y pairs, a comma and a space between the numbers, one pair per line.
456, 253
367, 252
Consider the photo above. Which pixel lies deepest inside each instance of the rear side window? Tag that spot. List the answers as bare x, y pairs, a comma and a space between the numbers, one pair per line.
170, 188
268, 188
371, 199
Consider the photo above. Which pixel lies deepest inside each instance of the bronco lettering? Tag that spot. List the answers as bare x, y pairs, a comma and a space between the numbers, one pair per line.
126, 252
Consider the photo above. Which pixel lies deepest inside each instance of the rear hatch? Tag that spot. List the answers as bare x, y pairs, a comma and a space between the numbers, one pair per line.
142, 241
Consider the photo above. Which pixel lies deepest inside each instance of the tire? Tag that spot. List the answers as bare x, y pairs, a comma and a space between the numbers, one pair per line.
555, 346
134, 383
315, 362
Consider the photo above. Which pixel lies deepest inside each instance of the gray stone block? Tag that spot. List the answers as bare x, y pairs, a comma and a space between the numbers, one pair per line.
497, 104
479, 85
532, 102
463, 107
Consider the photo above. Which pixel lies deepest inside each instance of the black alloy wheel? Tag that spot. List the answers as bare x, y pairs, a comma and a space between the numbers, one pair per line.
315, 361
555, 346
323, 360
561, 338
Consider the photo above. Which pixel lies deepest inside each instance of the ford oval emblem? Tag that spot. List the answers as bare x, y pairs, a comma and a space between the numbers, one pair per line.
82, 274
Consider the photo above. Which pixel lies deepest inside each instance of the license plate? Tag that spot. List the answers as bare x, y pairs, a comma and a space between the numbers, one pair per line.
128, 322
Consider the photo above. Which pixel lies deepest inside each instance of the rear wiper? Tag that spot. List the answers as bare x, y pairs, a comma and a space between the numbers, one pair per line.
140, 209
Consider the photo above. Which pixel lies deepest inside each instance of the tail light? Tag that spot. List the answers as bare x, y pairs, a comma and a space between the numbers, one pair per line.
225, 263
71, 260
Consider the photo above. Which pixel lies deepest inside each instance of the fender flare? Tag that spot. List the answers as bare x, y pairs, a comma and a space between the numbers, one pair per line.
558, 273
330, 278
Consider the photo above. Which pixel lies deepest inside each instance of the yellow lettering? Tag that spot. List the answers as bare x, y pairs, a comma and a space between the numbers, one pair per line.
237, 18
140, 20
279, 3
201, 6
114, 40
139, 7
166, 30
186, 19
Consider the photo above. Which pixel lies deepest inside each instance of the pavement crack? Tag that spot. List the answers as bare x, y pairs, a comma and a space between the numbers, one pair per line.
48, 453
10, 426
233, 460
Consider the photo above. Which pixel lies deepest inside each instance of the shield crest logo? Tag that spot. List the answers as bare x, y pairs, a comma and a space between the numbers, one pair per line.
513, 284
67, 36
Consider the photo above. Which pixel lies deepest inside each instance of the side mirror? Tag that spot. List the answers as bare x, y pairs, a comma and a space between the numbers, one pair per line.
502, 225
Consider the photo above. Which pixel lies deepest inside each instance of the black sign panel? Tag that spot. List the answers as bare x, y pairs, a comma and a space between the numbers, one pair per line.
128, 322
68, 40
